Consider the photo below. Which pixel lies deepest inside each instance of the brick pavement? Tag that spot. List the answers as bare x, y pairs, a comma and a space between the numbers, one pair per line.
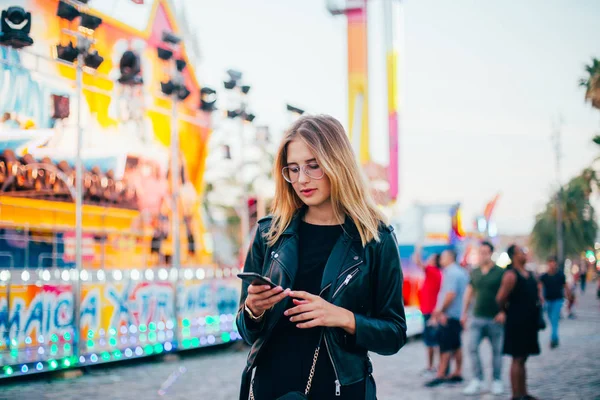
570, 372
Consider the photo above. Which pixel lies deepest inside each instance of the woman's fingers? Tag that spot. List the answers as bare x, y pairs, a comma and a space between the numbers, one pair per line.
307, 316
271, 301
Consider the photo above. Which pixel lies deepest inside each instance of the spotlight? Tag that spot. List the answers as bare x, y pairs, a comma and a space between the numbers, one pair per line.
182, 92
229, 84
167, 87
208, 98
234, 75
90, 22
164, 54
93, 60
16, 25
295, 109
180, 65
67, 11
67, 53
169, 37
130, 66
249, 117
245, 89
232, 114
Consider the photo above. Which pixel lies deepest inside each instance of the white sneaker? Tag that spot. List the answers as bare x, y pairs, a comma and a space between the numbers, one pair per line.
473, 388
497, 388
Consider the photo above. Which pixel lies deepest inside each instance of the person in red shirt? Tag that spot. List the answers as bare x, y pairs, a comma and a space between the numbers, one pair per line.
428, 295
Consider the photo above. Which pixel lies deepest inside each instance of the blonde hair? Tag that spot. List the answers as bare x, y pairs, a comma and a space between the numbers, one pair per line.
327, 140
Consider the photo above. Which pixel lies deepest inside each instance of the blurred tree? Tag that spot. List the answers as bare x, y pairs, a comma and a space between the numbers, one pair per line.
580, 226
591, 82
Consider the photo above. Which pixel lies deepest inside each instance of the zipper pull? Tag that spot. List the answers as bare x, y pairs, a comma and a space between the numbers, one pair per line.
348, 279
338, 388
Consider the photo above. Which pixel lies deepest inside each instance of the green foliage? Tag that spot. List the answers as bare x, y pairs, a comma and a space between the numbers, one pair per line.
579, 219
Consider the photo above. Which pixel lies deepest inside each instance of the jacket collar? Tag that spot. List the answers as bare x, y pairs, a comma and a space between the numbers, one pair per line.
344, 255
350, 230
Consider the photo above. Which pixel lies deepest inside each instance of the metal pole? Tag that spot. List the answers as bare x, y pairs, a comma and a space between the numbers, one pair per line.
559, 210
78, 206
175, 175
245, 217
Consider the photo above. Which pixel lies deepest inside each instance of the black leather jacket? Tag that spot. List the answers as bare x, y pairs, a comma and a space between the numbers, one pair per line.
369, 283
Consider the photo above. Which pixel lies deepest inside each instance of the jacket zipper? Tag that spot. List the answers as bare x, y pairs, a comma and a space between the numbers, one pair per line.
346, 282
338, 386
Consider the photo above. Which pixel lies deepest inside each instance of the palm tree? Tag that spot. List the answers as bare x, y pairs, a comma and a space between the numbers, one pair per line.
592, 83
579, 220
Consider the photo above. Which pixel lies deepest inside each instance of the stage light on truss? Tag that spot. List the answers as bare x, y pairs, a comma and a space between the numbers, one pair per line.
183, 92
249, 117
164, 54
234, 75
67, 11
131, 68
93, 59
295, 110
167, 87
181, 64
208, 98
15, 25
90, 22
230, 84
66, 53
245, 89
233, 114
170, 37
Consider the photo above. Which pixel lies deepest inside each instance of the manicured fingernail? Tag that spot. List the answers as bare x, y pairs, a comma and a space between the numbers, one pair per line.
285, 313
266, 287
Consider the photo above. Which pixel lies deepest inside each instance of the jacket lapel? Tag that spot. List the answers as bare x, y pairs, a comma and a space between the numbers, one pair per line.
339, 260
343, 255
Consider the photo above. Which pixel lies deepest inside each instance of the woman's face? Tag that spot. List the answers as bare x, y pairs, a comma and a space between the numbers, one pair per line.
312, 191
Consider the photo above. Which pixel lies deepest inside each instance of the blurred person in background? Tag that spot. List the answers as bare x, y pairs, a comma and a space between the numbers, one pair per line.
447, 315
487, 319
519, 297
583, 275
428, 294
553, 285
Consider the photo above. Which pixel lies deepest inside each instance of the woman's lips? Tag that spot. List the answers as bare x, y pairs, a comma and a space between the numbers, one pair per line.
308, 192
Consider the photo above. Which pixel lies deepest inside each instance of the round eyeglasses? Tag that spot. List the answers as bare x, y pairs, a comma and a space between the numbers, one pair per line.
292, 173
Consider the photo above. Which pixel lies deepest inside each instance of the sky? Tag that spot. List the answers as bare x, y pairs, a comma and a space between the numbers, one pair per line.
482, 84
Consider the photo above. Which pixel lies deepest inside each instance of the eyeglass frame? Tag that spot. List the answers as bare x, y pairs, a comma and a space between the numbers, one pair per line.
302, 168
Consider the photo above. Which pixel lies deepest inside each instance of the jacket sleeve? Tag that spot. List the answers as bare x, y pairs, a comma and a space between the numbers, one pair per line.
383, 331
247, 328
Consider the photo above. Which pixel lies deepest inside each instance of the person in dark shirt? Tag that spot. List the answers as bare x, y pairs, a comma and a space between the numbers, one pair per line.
487, 320
554, 285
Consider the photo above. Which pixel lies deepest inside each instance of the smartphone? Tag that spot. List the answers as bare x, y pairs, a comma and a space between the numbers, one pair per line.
256, 279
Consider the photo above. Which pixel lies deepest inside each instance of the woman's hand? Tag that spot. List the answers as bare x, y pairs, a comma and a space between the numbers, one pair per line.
312, 311
261, 298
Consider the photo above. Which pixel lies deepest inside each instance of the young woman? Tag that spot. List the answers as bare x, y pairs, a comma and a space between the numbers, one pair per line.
337, 267
519, 295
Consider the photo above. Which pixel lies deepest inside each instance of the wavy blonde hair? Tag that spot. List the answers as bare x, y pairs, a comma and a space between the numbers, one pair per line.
327, 140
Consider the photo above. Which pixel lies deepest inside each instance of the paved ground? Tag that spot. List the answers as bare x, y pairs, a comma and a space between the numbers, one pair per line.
570, 372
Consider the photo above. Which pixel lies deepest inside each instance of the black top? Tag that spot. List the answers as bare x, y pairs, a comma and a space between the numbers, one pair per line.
522, 316
284, 364
553, 285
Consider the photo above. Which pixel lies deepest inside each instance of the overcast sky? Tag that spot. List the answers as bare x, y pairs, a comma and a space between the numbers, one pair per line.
481, 82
